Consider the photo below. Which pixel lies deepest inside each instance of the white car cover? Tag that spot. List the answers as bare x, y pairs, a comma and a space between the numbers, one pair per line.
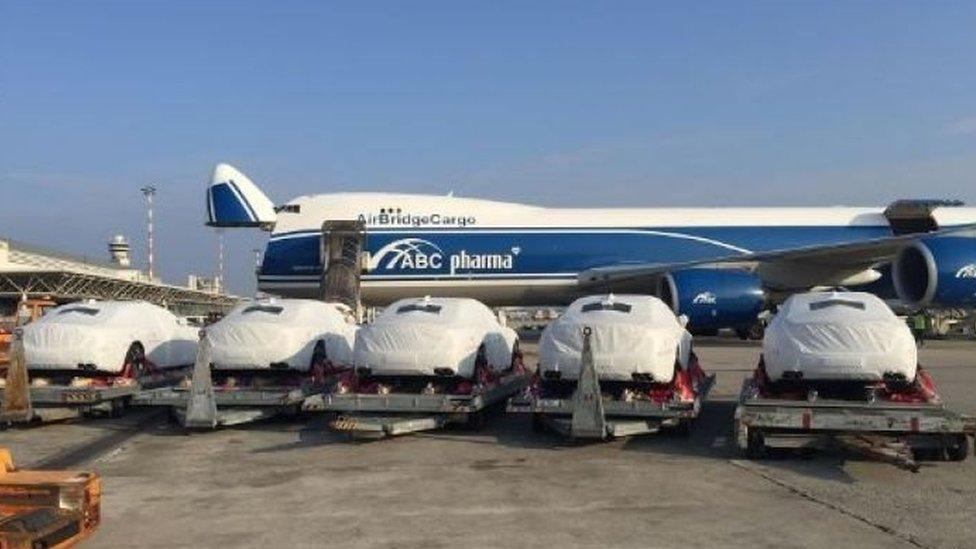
99, 333
631, 334
838, 336
415, 336
256, 334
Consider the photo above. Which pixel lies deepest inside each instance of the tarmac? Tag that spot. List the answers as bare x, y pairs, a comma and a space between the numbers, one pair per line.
292, 483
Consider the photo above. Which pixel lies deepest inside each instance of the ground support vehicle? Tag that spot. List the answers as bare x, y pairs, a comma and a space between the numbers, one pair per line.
211, 399
900, 428
31, 397
591, 413
376, 409
49, 509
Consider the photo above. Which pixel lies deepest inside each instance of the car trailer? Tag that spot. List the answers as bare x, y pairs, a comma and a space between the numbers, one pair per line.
27, 402
896, 432
199, 404
589, 414
392, 413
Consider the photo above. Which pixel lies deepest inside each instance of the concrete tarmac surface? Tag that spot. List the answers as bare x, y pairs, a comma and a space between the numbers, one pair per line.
292, 483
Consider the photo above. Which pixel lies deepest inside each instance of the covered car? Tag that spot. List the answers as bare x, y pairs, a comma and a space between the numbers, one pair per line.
634, 337
434, 337
105, 336
283, 333
841, 336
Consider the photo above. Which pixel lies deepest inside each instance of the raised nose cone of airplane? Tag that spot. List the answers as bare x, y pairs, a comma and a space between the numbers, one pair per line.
225, 172
233, 200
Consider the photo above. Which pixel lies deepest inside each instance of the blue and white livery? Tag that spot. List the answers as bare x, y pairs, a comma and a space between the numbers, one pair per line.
716, 265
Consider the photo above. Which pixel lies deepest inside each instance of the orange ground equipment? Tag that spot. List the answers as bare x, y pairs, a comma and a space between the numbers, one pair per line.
28, 310
51, 509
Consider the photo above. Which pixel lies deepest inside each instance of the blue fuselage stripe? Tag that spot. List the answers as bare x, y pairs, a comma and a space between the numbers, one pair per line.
540, 252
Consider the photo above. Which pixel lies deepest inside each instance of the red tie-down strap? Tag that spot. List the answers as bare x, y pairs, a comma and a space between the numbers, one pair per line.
349, 380
923, 390
688, 380
322, 370
127, 374
684, 386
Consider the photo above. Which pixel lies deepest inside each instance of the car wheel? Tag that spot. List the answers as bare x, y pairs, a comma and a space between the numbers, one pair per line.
318, 354
316, 366
135, 360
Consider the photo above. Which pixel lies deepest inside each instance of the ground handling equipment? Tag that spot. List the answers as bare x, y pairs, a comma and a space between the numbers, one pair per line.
593, 412
46, 509
378, 407
900, 423
31, 397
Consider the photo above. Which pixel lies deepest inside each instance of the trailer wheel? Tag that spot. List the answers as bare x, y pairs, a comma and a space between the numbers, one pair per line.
117, 407
756, 447
538, 423
957, 448
477, 421
682, 429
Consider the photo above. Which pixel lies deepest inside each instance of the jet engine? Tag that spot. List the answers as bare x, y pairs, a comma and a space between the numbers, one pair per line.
714, 298
937, 272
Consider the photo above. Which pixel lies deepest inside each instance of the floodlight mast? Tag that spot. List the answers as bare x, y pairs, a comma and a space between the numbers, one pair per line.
149, 191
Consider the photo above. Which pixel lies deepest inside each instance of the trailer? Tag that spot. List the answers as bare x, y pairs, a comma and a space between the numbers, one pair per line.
589, 413
379, 411
50, 509
901, 432
27, 398
209, 399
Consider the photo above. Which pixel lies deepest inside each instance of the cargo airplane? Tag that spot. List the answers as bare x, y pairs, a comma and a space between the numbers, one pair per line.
718, 266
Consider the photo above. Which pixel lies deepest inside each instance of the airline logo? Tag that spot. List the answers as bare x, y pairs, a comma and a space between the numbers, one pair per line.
395, 218
704, 298
417, 254
967, 271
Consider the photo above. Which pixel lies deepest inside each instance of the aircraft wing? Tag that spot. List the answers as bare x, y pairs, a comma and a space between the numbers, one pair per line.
850, 257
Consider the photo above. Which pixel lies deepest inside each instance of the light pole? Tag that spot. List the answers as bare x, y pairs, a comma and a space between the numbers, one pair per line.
149, 192
220, 261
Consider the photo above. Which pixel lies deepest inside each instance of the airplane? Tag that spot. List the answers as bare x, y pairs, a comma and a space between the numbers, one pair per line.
720, 267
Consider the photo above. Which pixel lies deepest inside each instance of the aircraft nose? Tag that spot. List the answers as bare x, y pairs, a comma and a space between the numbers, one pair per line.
225, 172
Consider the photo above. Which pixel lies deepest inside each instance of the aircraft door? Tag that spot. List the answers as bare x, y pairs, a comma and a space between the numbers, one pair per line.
342, 262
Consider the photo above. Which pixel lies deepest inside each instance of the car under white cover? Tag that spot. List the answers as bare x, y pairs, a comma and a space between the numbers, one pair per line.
434, 336
101, 335
842, 336
282, 333
631, 334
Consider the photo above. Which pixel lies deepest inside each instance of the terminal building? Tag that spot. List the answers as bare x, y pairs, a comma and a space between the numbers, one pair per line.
30, 272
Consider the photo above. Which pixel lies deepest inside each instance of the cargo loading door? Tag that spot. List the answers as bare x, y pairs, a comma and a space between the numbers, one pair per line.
233, 200
342, 262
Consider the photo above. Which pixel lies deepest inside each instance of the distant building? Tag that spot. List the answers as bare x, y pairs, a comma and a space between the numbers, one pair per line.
35, 272
209, 284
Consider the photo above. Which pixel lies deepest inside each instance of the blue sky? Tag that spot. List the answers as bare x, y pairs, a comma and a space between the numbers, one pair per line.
564, 103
